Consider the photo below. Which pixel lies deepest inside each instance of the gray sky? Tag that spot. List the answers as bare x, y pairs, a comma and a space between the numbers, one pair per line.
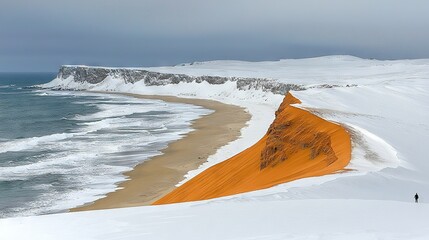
44, 34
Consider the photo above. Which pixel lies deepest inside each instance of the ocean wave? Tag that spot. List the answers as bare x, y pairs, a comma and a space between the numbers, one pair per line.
53, 140
72, 164
29, 143
47, 92
118, 101
79, 188
7, 86
113, 110
118, 123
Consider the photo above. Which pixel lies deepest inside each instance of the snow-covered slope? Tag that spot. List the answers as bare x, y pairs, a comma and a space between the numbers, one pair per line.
332, 70
385, 106
279, 220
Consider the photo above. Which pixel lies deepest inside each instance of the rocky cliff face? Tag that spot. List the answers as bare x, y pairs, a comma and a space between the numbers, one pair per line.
95, 75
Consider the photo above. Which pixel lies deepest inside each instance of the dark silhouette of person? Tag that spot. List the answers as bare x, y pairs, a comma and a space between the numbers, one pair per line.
416, 197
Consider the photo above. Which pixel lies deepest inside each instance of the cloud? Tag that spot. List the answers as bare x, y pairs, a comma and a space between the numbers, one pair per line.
153, 32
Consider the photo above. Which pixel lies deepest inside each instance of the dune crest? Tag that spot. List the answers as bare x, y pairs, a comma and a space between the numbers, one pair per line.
298, 144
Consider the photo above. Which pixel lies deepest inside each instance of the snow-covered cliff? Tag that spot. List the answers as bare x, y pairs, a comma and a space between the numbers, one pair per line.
96, 75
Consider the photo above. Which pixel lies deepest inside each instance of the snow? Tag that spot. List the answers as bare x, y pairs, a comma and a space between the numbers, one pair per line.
386, 110
310, 71
299, 219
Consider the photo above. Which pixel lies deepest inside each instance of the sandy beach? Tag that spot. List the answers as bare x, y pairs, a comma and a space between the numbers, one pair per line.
154, 178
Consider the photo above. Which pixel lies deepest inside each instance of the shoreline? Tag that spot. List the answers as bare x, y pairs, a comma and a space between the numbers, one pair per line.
152, 179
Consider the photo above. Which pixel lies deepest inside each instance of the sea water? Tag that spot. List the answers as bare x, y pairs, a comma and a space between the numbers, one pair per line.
61, 149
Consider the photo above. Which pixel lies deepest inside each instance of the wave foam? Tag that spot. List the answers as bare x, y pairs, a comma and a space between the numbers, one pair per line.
29, 143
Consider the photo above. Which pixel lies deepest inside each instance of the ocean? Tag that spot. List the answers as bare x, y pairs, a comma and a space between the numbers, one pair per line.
61, 149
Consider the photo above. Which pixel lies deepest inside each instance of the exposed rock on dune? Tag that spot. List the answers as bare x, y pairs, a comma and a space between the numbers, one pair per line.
298, 144
280, 144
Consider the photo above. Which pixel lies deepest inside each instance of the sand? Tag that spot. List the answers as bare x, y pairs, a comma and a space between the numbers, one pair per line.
298, 144
154, 178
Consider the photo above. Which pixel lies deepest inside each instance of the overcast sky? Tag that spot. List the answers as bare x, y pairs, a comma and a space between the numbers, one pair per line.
44, 34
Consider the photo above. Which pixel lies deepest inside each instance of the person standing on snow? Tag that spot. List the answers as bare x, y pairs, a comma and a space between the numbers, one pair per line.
416, 197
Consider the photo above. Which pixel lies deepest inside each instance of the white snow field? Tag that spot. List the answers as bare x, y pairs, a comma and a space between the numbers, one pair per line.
385, 106
285, 220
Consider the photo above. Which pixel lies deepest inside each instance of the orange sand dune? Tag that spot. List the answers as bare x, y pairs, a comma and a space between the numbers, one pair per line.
298, 144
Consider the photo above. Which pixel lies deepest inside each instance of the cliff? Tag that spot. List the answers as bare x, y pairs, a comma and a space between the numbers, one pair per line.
298, 144
94, 75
